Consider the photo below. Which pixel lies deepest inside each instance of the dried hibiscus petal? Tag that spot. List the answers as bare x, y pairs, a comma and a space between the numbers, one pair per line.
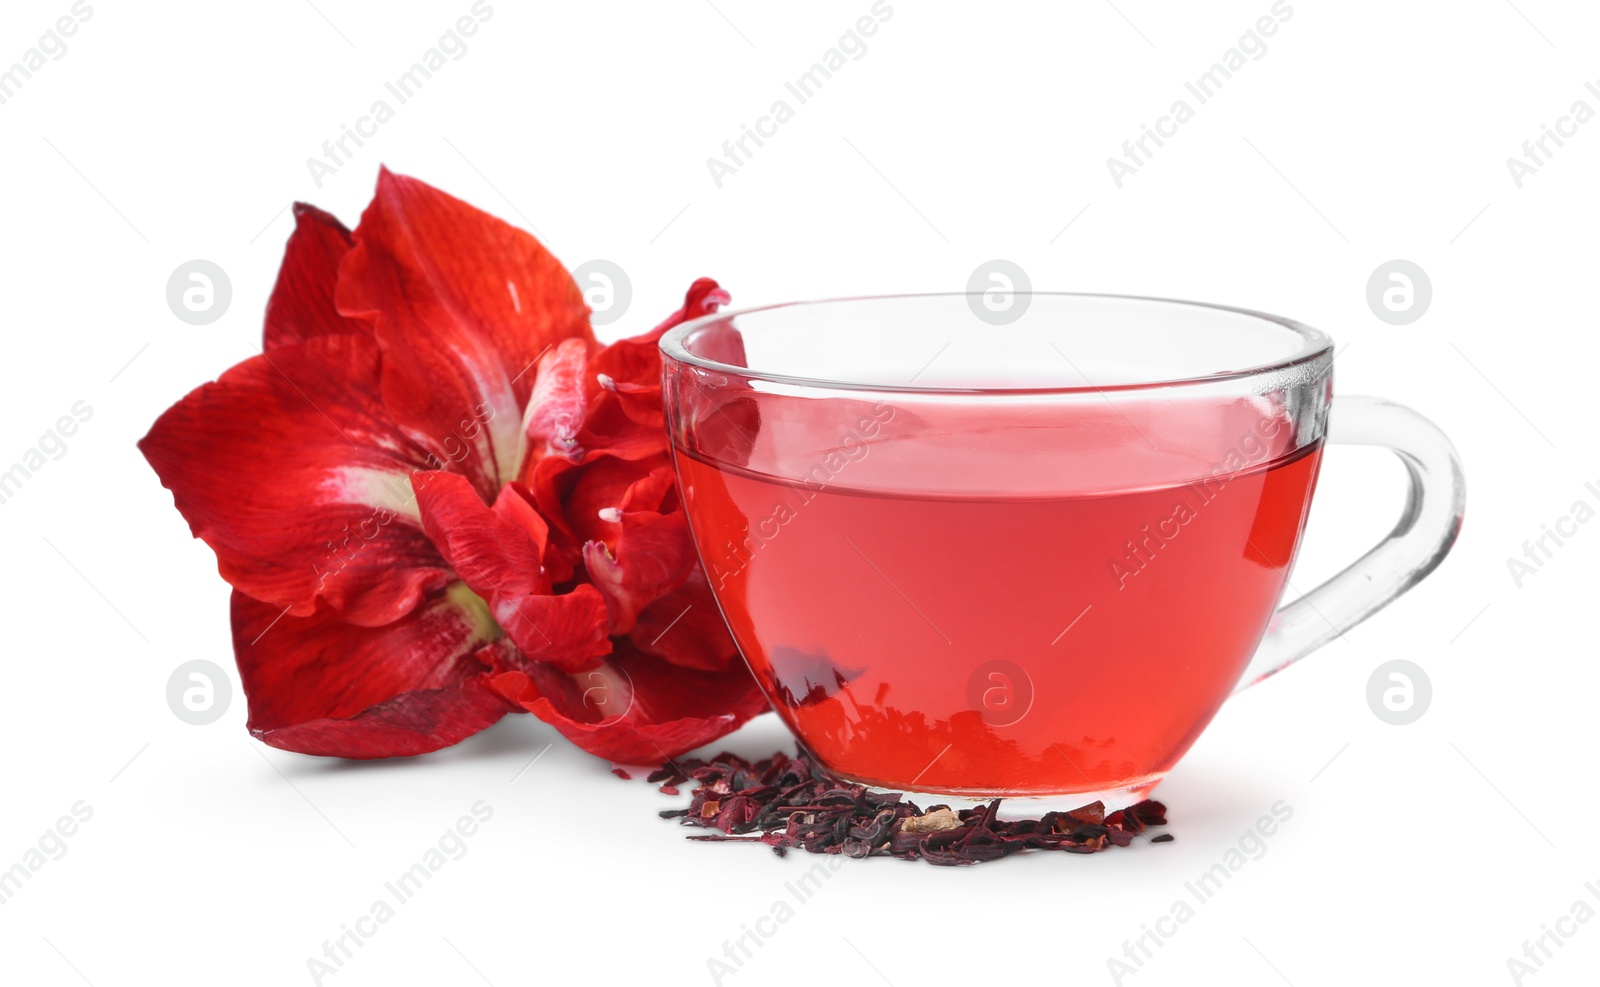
792, 803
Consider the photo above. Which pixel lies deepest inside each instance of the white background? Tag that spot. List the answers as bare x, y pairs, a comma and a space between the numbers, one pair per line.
1368, 131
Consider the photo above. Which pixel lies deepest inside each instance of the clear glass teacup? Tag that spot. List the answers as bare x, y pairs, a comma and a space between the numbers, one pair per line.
1028, 560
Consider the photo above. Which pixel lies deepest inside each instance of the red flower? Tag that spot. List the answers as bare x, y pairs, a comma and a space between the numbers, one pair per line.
439, 500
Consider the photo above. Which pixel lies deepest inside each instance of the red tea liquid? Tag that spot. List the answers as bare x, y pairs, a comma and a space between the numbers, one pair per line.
1016, 642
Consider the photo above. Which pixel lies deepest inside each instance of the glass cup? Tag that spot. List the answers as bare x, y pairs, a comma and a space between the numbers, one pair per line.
1024, 555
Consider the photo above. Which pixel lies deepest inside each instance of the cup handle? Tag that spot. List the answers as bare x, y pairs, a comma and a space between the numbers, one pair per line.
1428, 527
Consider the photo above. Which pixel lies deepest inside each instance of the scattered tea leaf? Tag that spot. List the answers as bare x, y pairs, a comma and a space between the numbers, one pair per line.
791, 802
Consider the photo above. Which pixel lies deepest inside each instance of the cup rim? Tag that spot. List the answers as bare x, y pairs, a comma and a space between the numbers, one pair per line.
1315, 345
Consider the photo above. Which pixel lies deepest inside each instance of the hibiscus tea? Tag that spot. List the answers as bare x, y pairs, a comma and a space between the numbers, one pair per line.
1050, 608
1006, 543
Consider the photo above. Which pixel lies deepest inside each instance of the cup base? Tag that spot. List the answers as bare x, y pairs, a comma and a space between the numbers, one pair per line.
1015, 805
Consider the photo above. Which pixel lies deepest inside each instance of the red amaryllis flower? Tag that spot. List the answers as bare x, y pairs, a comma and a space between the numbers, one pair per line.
439, 500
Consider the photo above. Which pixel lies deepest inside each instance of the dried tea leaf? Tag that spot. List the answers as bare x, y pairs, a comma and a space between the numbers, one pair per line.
790, 802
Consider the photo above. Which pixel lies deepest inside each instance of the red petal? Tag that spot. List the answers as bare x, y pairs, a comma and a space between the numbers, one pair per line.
515, 505
464, 305
635, 709
582, 498
654, 555
494, 552
567, 630
720, 429
520, 510
704, 297
494, 555
611, 435
630, 369
317, 685
556, 407
637, 360
657, 491
301, 306
300, 482
571, 493
686, 628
